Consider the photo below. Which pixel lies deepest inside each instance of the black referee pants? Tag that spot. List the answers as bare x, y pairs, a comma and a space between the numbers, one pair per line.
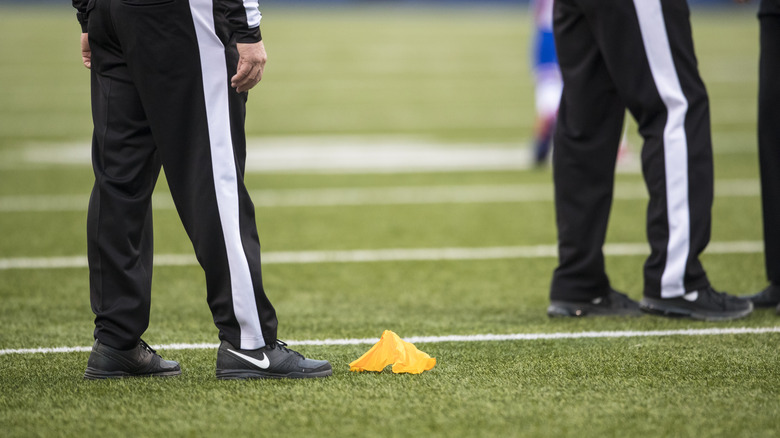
161, 97
769, 133
618, 54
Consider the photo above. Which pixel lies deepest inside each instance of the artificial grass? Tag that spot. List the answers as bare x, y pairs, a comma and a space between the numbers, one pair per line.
676, 386
453, 76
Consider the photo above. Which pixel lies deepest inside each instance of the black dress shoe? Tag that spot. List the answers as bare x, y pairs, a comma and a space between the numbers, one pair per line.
107, 362
612, 304
769, 297
705, 305
274, 361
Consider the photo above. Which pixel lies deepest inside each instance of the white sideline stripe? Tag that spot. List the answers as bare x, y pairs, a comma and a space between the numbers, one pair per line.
462, 194
450, 338
383, 255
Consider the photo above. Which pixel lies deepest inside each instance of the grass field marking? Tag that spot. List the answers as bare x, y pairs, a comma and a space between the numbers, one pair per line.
392, 254
337, 154
43, 262
586, 335
349, 154
457, 194
449, 338
412, 254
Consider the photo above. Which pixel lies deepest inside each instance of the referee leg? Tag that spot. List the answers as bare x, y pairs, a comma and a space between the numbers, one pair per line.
769, 133
587, 136
196, 121
673, 115
119, 219
648, 52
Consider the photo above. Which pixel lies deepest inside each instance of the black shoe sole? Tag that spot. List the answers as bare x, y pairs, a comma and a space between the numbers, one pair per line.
96, 374
763, 304
257, 374
659, 307
760, 303
569, 310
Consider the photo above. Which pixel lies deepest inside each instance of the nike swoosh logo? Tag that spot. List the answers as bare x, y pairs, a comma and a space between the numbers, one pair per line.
262, 364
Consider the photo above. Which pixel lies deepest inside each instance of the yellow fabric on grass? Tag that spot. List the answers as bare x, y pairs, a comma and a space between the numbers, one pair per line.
391, 349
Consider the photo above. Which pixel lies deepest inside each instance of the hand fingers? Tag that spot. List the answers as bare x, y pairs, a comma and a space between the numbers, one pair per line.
86, 52
241, 73
86, 58
248, 76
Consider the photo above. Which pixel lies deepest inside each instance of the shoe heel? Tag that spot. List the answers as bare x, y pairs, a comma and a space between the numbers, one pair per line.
96, 374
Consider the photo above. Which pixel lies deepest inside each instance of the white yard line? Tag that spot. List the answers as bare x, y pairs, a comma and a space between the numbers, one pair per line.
344, 154
449, 338
384, 255
336, 155
461, 194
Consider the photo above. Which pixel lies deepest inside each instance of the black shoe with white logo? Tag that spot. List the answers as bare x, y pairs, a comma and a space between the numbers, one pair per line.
769, 297
107, 362
613, 304
274, 361
706, 305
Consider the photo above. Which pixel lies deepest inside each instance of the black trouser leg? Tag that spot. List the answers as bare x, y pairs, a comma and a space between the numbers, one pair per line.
587, 136
646, 53
180, 68
119, 222
769, 137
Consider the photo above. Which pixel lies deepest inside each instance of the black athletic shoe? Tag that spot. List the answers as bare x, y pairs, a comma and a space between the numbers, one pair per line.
706, 305
614, 304
274, 361
107, 362
769, 297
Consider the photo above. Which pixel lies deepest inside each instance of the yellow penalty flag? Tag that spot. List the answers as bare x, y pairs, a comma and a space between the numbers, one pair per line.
391, 349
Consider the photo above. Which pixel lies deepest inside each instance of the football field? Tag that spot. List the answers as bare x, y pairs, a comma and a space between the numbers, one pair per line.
388, 161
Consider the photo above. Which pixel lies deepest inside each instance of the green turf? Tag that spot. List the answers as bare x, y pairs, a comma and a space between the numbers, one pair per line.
656, 387
455, 75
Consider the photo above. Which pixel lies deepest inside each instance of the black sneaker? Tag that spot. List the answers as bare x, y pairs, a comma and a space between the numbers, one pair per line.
706, 305
107, 362
769, 297
614, 304
274, 361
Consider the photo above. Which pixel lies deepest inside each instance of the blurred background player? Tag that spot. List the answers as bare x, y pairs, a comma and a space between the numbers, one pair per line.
547, 79
549, 84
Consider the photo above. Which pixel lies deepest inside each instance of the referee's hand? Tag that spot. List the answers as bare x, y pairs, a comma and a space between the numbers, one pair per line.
251, 62
86, 53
